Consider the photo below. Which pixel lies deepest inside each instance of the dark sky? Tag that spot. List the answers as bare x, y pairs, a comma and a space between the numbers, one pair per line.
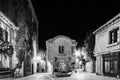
72, 18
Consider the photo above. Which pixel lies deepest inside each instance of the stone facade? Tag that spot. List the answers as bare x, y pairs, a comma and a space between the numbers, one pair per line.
107, 47
55, 45
8, 33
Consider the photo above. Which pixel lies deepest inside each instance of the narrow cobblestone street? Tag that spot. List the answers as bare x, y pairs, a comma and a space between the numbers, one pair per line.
75, 76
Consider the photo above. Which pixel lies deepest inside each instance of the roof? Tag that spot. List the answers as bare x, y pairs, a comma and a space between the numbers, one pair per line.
107, 24
7, 21
59, 36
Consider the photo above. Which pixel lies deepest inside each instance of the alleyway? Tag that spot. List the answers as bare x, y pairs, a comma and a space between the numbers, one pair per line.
75, 76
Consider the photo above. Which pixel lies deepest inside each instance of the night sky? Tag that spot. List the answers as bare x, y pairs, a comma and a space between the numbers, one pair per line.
72, 18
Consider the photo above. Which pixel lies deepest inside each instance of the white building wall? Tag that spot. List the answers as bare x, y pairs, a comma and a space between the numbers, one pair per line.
102, 40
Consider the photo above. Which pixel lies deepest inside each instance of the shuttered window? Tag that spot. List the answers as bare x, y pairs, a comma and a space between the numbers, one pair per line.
114, 35
61, 49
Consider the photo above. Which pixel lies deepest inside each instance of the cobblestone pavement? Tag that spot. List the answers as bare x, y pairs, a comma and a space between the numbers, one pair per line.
75, 76
80, 75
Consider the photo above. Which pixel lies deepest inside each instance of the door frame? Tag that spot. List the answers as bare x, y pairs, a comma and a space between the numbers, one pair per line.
111, 58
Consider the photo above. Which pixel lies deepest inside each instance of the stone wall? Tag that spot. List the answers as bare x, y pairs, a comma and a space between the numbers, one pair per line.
53, 48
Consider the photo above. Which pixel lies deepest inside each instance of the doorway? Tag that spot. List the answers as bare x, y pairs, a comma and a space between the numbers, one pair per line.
110, 64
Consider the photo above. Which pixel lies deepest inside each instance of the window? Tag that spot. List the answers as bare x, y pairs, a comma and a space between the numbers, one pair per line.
61, 49
1, 33
6, 36
113, 35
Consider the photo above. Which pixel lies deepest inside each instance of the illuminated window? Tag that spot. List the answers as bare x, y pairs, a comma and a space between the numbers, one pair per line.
113, 35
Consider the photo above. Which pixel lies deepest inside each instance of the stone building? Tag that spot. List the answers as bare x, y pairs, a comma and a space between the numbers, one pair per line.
7, 38
60, 45
22, 14
107, 48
